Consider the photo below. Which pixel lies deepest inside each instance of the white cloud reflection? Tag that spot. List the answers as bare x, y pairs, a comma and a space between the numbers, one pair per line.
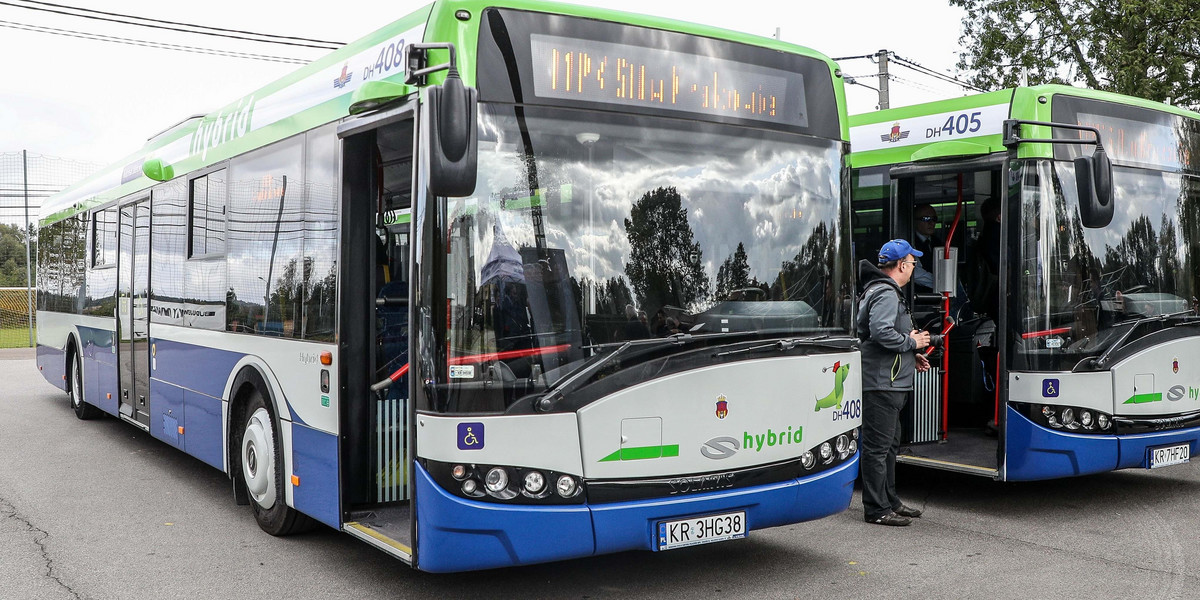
767, 194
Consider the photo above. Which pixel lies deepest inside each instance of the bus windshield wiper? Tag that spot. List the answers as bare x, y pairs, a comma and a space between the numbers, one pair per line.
786, 344
584, 372
1134, 324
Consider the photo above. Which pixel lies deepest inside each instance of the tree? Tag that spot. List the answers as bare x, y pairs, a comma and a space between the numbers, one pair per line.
734, 273
1144, 48
12, 256
664, 259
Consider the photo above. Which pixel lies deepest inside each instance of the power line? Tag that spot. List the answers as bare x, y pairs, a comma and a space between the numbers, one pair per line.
930, 72
323, 45
266, 35
915, 84
148, 44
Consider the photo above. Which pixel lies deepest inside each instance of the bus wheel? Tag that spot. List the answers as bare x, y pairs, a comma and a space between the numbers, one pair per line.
261, 470
83, 410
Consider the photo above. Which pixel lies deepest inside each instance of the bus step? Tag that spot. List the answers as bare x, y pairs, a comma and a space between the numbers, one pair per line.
946, 465
386, 528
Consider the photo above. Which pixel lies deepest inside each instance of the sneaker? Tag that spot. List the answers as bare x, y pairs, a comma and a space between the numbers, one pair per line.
908, 511
893, 520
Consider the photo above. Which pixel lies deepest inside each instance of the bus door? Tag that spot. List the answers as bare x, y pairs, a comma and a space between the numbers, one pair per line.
133, 314
951, 421
377, 193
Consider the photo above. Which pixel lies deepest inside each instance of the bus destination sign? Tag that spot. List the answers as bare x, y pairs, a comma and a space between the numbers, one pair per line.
622, 74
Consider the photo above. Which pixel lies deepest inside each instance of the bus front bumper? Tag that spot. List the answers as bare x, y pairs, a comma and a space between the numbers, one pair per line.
1035, 452
457, 534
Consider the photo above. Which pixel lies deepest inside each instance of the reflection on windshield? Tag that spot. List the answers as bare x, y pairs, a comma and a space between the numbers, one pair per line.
1082, 289
593, 229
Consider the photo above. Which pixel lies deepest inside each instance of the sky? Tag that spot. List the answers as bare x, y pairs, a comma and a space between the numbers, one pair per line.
99, 101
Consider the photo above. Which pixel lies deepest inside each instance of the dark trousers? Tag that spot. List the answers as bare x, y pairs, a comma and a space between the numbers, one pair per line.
880, 443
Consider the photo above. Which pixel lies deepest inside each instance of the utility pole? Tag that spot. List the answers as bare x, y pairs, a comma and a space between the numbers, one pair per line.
882, 55
28, 242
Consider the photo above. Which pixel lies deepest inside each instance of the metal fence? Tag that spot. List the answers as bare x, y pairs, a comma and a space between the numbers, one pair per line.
26, 180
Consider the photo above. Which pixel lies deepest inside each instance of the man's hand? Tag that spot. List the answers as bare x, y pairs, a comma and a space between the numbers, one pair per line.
921, 338
922, 362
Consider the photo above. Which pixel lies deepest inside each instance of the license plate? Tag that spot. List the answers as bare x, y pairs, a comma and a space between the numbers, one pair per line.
1169, 455
701, 530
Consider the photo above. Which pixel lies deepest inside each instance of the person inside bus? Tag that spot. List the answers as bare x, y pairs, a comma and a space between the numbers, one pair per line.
890, 358
989, 249
930, 243
635, 328
927, 238
513, 327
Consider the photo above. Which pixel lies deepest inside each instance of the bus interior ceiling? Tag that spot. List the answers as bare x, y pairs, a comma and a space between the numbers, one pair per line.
971, 345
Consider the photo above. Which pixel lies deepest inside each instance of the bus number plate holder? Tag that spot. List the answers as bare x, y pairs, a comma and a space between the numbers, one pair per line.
701, 530
1169, 455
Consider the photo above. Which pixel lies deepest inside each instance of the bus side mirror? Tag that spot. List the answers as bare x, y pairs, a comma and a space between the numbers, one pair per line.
453, 137
1093, 180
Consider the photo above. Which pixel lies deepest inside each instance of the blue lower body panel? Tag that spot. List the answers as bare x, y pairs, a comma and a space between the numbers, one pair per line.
456, 534
1135, 448
633, 525
1035, 452
53, 364
315, 464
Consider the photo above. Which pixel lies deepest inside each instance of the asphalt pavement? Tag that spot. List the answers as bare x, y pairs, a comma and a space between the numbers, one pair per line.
100, 510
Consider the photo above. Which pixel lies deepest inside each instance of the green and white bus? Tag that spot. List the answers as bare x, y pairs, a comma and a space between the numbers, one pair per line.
1070, 220
500, 283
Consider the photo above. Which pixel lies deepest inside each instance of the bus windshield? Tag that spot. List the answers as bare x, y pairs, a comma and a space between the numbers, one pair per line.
1081, 290
591, 229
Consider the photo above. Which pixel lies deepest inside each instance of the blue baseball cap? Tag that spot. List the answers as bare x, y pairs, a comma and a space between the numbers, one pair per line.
896, 250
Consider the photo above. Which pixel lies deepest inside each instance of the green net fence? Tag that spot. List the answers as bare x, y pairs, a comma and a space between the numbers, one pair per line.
26, 180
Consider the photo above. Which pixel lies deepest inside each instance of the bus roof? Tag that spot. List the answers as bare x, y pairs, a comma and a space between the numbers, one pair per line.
966, 126
321, 92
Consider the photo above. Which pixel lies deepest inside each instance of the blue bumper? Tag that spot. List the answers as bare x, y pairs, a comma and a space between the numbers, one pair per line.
1035, 452
456, 534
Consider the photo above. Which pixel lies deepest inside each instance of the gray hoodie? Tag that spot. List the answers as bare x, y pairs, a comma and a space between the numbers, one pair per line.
888, 353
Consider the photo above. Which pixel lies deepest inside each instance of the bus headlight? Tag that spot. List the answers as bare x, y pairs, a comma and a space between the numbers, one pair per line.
1051, 417
496, 480
459, 472
826, 451
1068, 419
843, 444
469, 487
535, 482
1085, 419
807, 459
566, 486
1076, 419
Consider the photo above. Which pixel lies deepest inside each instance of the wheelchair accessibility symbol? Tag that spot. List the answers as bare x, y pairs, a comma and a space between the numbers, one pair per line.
470, 436
1049, 388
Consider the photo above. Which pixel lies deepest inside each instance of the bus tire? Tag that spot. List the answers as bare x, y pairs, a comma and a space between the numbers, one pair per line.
261, 470
83, 410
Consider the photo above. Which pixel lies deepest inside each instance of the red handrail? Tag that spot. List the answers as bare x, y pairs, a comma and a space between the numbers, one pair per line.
507, 354
948, 322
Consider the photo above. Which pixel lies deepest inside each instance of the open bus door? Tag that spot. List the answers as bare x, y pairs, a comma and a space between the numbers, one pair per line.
955, 420
133, 312
377, 192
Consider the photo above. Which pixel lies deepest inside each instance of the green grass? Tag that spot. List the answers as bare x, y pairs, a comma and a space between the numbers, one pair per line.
14, 337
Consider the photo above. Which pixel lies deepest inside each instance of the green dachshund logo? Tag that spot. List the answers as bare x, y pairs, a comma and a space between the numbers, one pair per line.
840, 372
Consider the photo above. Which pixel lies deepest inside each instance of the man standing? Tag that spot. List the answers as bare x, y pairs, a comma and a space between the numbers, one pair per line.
889, 355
